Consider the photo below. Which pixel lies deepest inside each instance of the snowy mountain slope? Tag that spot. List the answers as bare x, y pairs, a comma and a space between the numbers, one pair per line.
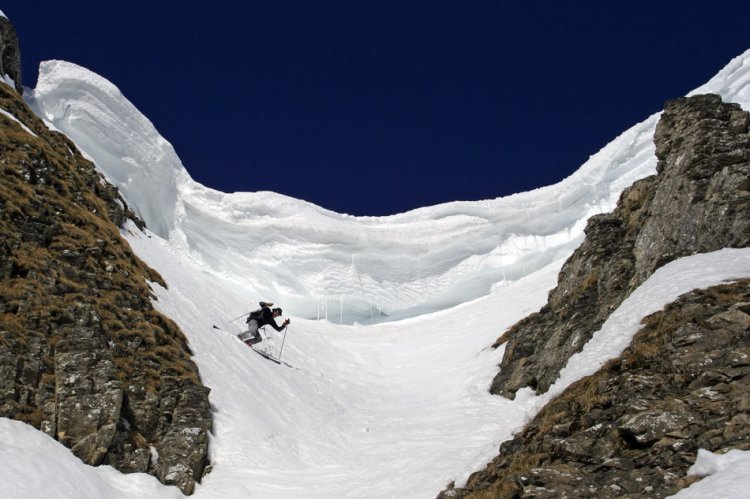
373, 411
365, 409
382, 411
34, 465
731, 82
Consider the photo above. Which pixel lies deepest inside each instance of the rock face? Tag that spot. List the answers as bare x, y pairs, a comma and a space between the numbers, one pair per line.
10, 55
698, 202
88, 394
83, 354
634, 428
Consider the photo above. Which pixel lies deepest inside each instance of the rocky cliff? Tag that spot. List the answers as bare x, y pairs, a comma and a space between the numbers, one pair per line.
698, 202
10, 55
84, 356
634, 428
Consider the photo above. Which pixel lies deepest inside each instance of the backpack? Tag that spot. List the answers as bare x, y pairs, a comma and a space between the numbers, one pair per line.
257, 314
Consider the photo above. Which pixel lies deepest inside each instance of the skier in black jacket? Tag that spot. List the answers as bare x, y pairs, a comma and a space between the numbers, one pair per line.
259, 318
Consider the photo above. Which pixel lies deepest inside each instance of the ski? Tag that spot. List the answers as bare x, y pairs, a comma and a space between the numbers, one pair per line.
260, 352
265, 356
274, 360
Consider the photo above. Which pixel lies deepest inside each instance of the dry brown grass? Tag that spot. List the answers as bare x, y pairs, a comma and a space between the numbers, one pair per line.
139, 440
28, 414
503, 338
589, 281
507, 484
79, 268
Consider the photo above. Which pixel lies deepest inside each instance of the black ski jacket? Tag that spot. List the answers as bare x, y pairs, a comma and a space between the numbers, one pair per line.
266, 317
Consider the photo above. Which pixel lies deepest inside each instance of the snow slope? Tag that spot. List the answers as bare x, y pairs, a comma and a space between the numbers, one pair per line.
391, 410
397, 408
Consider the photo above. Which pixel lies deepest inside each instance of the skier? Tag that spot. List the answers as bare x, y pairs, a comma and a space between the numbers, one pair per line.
259, 318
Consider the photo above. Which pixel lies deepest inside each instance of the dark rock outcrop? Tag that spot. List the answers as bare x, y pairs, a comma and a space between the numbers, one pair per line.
698, 202
83, 354
634, 428
183, 447
88, 394
10, 55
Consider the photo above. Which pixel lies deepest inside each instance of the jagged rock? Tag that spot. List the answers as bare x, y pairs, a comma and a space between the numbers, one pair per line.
738, 428
45, 401
701, 200
634, 428
698, 202
183, 448
662, 419
89, 395
143, 407
135, 461
8, 368
83, 354
10, 55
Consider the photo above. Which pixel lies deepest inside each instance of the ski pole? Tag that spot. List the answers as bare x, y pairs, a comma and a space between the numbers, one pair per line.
283, 340
240, 317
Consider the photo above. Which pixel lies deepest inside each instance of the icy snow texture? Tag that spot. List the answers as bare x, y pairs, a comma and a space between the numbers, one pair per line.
323, 263
110, 130
728, 476
34, 465
327, 264
394, 409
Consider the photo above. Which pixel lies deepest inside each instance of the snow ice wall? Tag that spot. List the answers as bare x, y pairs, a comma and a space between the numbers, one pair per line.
322, 264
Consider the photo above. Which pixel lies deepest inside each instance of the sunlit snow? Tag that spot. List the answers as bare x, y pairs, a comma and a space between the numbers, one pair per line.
727, 476
394, 401
321, 263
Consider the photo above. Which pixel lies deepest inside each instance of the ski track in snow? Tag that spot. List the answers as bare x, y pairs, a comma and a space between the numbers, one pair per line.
395, 409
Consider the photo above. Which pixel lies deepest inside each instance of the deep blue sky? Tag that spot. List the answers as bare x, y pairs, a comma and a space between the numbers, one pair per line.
377, 107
